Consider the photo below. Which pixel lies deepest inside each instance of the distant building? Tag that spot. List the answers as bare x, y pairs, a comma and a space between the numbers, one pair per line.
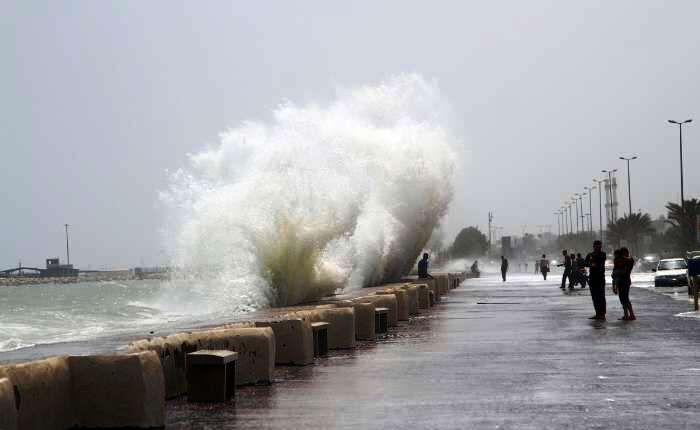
54, 269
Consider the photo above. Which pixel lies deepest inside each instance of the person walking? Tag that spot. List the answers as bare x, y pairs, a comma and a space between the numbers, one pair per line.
544, 266
596, 264
504, 267
624, 282
574, 275
537, 266
567, 269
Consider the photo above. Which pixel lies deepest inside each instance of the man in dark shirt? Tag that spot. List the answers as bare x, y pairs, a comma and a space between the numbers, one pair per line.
567, 269
596, 279
423, 268
504, 267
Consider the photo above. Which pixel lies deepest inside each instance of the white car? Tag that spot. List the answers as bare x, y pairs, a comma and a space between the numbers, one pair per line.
671, 272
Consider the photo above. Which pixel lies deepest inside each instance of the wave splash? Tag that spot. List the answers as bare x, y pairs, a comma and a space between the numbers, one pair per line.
317, 199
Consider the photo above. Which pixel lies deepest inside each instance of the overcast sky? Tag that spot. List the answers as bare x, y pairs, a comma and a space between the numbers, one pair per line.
99, 99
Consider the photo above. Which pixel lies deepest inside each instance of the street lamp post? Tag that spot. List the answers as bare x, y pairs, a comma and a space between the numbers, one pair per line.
67, 248
583, 215
629, 184
558, 224
599, 185
563, 217
680, 142
590, 207
609, 199
576, 205
571, 220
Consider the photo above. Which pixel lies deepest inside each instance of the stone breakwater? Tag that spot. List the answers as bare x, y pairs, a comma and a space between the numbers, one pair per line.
130, 389
121, 275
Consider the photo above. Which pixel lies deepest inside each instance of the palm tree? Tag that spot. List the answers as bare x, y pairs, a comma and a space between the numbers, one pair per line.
630, 228
684, 229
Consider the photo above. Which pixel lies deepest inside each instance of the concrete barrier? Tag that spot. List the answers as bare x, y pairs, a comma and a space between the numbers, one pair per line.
364, 319
341, 324
256, 348
442, 284
384, 301
432, 286
43, 393
402, 302
171, 351
423, 297
8, 410
294, 340
412, 296
111, 391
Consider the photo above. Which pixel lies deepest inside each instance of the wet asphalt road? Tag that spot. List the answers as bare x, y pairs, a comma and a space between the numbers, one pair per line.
516, 355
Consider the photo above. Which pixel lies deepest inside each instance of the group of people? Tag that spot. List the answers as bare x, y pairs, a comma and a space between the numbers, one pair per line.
574, 270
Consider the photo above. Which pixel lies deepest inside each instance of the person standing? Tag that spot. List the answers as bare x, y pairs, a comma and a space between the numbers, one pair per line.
596, 264
581, 267
567, 269
624, 282
504, 267
537, 266
544, 266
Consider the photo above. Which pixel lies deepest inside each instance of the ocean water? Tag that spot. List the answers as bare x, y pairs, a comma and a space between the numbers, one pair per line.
35, 315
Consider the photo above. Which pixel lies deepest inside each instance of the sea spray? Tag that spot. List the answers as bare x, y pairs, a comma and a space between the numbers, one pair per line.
319, 198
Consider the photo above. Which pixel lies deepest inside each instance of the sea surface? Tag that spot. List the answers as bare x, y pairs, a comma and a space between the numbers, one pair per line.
32, 316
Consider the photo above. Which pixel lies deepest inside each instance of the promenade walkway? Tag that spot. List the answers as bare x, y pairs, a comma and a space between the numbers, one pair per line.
515, 355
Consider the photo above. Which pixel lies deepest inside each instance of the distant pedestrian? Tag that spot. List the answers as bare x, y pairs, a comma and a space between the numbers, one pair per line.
624, 282
537, 266
504, 267
574, 275
423, 267
475, 267
596, 264
567, 269
544, 266
581, 270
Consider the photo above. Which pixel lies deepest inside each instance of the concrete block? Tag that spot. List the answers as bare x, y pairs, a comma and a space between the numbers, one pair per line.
256, 348
320, 330
381, 320
364, 319
42, 390
211, 375
341, 324
172, 351
118, 390
385, 301
423, 297
412, 296
402, 302
442, 284
8, 409
294, 341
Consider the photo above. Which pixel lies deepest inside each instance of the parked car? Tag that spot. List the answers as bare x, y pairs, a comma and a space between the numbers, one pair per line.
671, 272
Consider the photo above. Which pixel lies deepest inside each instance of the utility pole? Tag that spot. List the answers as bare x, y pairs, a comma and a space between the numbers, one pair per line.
571, 220
67, 247
680, 141
490, 220
576, 204
629, 186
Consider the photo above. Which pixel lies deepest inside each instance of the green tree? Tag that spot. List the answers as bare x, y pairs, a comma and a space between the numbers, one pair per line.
684, 227
630, 228
469, 242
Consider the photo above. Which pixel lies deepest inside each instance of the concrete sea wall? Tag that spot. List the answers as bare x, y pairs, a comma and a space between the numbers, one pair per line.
130, 389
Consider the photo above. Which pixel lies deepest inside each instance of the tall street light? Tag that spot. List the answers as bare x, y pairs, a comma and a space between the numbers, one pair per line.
583, 215
563, 216
629, 186
558, 223
67, 247
609, 200
575, 203
589, 190
571, 221
600, 205
680, 141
